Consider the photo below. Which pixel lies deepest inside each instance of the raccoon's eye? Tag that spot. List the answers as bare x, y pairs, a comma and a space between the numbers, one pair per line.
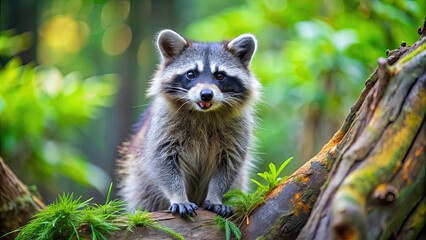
191, 75
219, 75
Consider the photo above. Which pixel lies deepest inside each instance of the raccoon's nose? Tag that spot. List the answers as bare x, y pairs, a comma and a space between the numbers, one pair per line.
206, 95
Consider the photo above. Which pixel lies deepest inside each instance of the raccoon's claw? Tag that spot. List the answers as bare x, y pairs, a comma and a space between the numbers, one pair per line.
219, 209
187, 208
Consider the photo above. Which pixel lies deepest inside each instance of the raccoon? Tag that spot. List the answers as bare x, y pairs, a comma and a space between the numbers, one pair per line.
194, 142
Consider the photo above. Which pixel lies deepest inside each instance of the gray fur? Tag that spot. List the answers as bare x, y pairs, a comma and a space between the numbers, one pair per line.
180, 153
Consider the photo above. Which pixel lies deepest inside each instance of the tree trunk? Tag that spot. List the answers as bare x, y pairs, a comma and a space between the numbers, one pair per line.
17, 203
370, 174
377, 182
366, 182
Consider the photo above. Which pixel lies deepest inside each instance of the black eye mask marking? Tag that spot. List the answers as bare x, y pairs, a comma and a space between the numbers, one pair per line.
232, 85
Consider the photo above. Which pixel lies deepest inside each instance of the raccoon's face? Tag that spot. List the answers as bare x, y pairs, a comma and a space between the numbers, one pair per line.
205, 76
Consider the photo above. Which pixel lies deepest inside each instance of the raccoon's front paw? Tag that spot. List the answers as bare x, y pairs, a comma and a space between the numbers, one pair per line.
187, 208
219, 209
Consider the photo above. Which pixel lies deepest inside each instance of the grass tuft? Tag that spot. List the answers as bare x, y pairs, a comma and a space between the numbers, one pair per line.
58, 220
142, 218
229, 227
244, 203
67, 216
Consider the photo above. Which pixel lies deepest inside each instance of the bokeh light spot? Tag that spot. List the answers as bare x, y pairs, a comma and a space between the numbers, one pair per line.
276, 5
144, 52
63, 33
117, 39
114, 12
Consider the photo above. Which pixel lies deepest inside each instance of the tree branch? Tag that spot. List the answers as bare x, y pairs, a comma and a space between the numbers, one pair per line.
17, 203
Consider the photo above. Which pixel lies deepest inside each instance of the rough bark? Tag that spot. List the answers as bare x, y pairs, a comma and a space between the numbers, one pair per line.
17, 203
379, 174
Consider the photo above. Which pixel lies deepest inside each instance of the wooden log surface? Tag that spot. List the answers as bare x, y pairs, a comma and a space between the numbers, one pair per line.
203, 227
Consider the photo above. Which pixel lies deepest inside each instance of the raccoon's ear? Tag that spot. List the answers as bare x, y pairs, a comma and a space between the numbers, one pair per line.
170, 44
243, 47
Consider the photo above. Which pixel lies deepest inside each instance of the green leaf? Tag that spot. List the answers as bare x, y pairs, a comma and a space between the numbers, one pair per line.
109, 193
272, 169
284, 164
256, 182
229, 227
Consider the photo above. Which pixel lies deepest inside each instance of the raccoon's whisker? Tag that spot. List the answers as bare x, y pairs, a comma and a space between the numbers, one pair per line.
269, 105
186, 102
142, 105
230, 103
181, 89
182, 97
236, 96
171, 89
176, 86
234, 100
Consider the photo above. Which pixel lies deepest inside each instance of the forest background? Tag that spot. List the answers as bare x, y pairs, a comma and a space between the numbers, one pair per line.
73, 75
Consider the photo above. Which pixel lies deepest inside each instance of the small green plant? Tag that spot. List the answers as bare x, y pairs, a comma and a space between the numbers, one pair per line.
138, 218
272, 177
66, 216
229, 227
58, 220
103, 218
244, 203
111, 209
142, 218
97, 224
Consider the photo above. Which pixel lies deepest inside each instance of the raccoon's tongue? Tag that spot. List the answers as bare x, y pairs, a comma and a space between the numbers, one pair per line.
204, 104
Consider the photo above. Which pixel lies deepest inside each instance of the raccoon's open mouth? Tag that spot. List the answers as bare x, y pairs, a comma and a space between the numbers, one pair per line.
204, 105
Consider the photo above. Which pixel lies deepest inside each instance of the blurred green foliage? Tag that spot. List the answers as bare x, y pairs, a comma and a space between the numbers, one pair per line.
41, 111
11, 45
82, 35
313, 58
